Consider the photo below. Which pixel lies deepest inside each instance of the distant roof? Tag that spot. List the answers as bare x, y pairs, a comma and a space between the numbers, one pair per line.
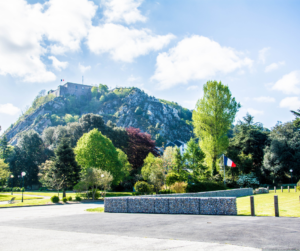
77, 84
170, 144
178, 142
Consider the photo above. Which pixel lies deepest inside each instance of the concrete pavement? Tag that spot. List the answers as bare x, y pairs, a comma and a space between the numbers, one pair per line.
71, 228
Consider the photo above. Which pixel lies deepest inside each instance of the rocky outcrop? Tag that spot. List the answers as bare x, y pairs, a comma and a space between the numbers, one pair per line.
136, 109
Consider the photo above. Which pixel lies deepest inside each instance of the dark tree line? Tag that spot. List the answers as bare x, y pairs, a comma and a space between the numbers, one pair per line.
56, 144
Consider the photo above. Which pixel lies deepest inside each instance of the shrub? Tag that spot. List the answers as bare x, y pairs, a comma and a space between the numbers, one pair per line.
7, 189
55, 199
179, 187
17, 189
171, 178
89, 195
248, 180
205, 186
70, 198
143, 187
166, 191
78, 198
64, 199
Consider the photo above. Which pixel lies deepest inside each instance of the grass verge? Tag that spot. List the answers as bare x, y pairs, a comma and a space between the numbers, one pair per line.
4, 197
289, 204
96, 210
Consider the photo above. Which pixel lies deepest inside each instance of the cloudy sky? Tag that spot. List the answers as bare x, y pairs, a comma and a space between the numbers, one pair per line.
169, 48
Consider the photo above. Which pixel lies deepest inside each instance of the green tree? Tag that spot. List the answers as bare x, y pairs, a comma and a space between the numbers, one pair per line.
169, 158
126, 167
178, 163
4, 172
49, 177
94, 91
282, 153
28, 155
246, 148
66, 165
94, 178
95, 150
5, 148
159, 140
194, 158
212, 119
153, 171
103, 88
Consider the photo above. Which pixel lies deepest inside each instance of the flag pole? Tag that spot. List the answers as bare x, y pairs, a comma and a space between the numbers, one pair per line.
224, 169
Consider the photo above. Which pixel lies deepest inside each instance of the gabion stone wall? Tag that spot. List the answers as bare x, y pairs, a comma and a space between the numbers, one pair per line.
240, 192
165, 205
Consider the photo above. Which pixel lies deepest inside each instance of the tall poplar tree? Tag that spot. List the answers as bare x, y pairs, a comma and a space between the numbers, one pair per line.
212, 118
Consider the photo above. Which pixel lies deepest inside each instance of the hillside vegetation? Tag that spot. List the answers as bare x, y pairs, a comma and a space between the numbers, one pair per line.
120, 107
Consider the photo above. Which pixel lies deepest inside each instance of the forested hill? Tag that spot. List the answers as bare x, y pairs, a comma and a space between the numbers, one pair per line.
120, 107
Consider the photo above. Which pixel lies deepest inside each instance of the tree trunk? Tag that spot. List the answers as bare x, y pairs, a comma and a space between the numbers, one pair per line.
64, 193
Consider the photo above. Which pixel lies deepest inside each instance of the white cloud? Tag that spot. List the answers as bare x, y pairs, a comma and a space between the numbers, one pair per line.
9, 109
24, 29
83, 68
67, 22
20, 41
289, 83
192, 87
195, 58
292, 103
122, 11
274, 66
124, 44
265, 99
255, 112
262, 54
58, 65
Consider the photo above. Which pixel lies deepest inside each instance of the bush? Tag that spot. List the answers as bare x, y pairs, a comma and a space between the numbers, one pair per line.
143, 187
17, 189
7, 189
70, 198
179, 187
89, 195
171, 178
78, 198
55, 199
64, 199
166, 191
205, 186
248, 180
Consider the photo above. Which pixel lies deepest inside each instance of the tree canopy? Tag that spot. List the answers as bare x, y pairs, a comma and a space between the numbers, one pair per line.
94, 149
212, 119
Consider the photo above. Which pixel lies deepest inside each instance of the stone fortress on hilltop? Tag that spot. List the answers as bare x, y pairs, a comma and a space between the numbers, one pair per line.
71, 89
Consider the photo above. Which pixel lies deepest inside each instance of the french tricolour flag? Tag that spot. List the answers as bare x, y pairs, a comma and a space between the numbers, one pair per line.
229, 162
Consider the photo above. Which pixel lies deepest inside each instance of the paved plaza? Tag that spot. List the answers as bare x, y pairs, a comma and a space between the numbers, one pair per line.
70, 227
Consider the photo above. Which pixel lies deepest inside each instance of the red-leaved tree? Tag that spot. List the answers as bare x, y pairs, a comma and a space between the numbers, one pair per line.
139, 146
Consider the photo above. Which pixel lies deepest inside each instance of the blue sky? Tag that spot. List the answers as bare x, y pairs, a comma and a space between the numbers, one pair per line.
168, 48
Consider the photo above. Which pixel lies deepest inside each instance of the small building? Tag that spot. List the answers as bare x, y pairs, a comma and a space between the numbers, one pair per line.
180, 144
71, 89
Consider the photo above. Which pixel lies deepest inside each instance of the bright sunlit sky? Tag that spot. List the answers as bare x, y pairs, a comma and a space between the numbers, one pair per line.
168, 48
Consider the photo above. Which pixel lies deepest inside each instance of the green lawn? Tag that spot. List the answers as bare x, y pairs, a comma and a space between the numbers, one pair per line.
289, 204
5, 197
96, 210
28, 203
